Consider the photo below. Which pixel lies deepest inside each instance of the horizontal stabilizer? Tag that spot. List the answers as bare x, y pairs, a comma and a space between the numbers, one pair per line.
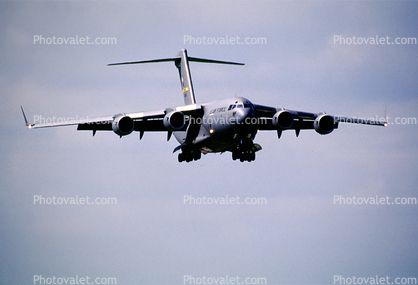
195, 59
145, 61
181, 61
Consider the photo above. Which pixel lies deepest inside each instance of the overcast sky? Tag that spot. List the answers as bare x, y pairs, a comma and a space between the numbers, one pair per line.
301, 236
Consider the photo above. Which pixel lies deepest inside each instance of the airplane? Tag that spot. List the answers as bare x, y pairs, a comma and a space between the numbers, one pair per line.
228, 125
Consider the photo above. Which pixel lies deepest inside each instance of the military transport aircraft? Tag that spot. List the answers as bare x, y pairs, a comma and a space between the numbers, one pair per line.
219, 126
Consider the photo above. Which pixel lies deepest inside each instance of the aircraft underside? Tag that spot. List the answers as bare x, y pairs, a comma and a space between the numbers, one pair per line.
241, 146
244, 151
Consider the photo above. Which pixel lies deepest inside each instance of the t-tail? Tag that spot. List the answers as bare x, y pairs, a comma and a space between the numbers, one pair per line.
182, 64
181, 61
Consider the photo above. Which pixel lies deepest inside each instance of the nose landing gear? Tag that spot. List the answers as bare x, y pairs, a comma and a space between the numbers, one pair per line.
243, 156
188, 154
245, 151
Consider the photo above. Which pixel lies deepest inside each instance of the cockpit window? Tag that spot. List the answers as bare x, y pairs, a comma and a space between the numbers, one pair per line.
241, 105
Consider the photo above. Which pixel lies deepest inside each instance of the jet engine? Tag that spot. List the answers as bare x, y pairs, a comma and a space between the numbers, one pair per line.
123, 125
174, 121
324, 124
282, 120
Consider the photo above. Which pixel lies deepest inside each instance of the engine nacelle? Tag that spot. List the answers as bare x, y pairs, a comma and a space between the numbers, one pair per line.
324, 124
282, 120
123, 125
174, 121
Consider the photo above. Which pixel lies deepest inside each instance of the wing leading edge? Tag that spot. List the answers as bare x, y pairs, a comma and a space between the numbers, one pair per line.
299, 120
149, 121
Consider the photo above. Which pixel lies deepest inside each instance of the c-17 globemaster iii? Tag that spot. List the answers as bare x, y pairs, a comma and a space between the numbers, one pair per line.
218, 126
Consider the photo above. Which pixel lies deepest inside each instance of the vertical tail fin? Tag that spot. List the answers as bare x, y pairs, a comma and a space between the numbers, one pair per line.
182, 63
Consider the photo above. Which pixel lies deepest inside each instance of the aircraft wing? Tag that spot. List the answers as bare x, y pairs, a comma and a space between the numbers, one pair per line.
300, 120
148, 121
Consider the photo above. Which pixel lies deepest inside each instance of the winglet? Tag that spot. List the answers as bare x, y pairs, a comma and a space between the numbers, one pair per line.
26, 120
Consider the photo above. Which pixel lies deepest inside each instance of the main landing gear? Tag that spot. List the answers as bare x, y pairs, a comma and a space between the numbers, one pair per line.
189, 155
244, 152
243, 156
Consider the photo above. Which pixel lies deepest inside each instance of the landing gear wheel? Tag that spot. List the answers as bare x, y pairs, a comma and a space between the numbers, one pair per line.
181, 157
189, 156
243, 156
197, 155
